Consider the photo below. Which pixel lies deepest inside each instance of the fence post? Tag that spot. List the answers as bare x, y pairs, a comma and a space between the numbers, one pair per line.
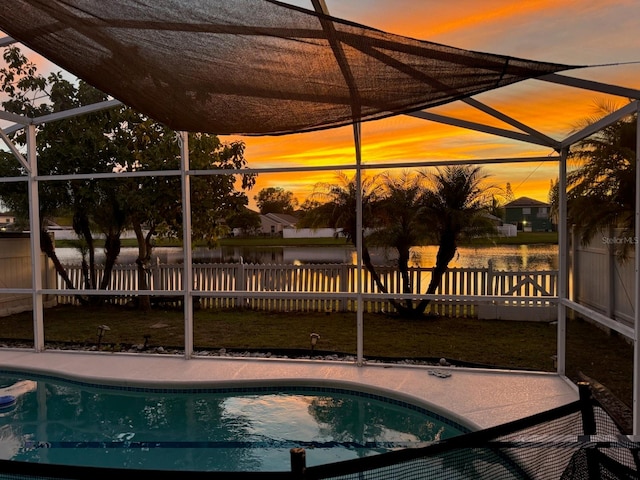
241, 283
490, 276
344, 285
298, 462
155, 283
588, 417
589, 428
611, 275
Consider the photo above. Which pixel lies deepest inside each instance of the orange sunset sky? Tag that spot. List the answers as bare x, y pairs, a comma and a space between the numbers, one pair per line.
574, 32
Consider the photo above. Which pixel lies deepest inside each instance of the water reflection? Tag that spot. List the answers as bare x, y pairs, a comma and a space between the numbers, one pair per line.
62, 423
505, 257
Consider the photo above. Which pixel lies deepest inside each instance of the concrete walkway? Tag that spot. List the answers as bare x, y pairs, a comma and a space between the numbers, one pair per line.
477, 398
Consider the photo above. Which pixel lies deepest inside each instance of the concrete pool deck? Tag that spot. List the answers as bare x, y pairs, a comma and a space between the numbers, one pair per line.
477, 398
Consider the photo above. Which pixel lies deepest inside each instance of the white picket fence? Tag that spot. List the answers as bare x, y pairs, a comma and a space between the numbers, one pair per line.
315, 281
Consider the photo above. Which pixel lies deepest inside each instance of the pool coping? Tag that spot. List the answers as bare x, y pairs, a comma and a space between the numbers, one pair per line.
474, 397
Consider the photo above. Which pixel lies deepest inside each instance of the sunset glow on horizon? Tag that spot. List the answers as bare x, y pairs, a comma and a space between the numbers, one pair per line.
563, 31
599, 35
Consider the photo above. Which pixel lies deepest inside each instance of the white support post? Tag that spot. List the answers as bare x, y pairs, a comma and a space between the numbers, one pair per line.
187, 275
359, 239
636, 311
563, 261
34, 227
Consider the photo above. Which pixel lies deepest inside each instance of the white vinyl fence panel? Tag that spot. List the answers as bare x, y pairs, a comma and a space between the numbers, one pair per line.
215, 285
601, 279
16, 272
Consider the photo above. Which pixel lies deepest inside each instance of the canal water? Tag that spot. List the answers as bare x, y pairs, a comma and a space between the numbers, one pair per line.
503, 257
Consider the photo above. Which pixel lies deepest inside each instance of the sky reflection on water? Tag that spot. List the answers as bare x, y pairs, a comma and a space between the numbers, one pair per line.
503, 257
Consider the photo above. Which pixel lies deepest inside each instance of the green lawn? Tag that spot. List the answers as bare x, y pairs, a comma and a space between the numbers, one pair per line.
506, 344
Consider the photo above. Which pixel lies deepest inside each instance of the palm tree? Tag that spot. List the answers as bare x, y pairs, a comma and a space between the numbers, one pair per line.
402, 211
337, 209
400, 224
336, 204
455, 207
601, 187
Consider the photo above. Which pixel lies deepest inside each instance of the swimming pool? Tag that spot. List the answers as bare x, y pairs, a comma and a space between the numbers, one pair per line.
213, 429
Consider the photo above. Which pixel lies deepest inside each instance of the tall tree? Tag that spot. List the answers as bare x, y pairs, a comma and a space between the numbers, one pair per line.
276, 200
338, 202
601, 186
82, 144
154, 203
400, 224
508, 194
118, 139
407, 210
68, 146
246, 221
455, 207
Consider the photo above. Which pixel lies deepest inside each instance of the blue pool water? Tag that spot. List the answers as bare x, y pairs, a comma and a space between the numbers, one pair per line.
233, 429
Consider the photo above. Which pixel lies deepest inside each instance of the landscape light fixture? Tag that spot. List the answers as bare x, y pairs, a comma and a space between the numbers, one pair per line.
101, 330
314, 337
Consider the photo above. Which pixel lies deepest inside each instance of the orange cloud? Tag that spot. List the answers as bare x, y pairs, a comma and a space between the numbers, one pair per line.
455, 21
490, 14
551, 109
564, 31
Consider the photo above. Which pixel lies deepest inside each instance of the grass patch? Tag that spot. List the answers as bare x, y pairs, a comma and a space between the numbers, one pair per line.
507, 344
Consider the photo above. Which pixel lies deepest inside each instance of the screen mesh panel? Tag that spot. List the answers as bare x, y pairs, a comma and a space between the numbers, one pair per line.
251, 66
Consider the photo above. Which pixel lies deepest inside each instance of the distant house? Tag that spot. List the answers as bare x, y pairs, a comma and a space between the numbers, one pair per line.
274, 223
502, 229
529, 215
497, 221
7, 219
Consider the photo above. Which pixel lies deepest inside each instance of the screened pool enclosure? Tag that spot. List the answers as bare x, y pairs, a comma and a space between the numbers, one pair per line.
247, 67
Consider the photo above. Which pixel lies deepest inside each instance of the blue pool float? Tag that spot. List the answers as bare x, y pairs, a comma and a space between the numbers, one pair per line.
7, 401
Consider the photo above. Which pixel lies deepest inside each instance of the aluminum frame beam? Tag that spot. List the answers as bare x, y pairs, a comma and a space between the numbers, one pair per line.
36, 255
20, 122
320, 6
636, 337
510, 121
16, 153
591, 85
480, 127
563, 278
15, 118
73, 112
595, 127
6, 41
187, 274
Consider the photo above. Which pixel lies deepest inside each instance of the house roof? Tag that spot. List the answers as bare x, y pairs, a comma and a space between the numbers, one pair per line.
492, 217
282, 218
525, 202
252, 66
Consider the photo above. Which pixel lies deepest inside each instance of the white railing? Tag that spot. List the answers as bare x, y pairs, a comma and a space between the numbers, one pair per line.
315, 281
